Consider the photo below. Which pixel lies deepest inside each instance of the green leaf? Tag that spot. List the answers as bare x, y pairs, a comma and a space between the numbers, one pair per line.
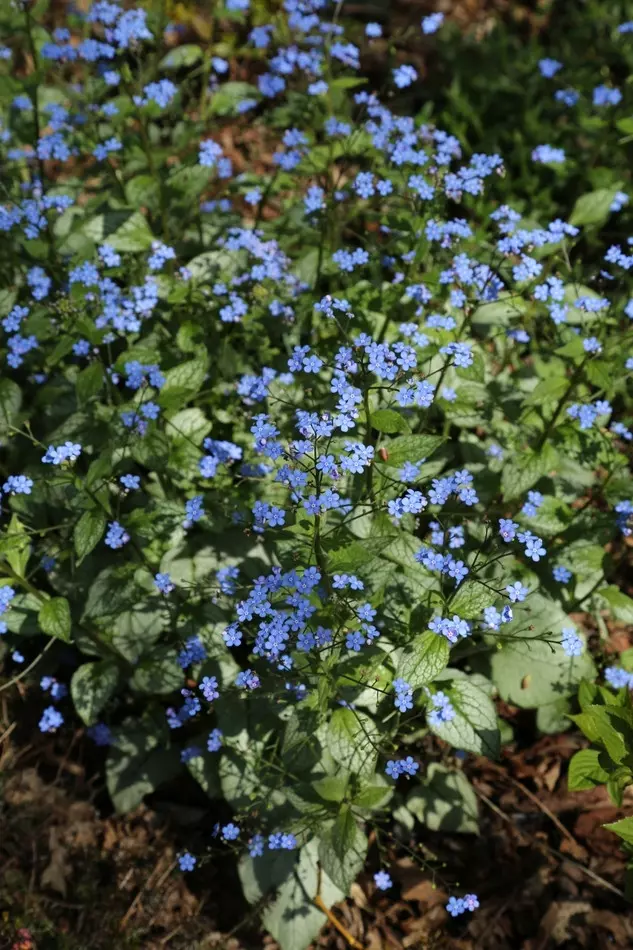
133, 235
342, 849
135, 630
423, 659
89, 382
7, 301
19, 549
445, 801
374, 795
189, 181
348, 82
241, 785
585, 558
600, 373
22, 618
351, 741
301, 748
89, 531
143, 190
307, 267
587, 693
262, 875
517, 476
622, 828
10, 403
182, 56
190, 425
137, 765
343, 831
99, 470
529, 666
411, 448
554, 717
469, 600
610, 727
619, 602
188, 377
61, 349
593, 208
331, 788
91, 686
204, 768
499, 313
551, 388
351, 557
618, 782
389, 421
158, 673
552, 517
229, 95
54, 618
206, 266
123, 230
474, 728
292, 919
573, 292
585, 770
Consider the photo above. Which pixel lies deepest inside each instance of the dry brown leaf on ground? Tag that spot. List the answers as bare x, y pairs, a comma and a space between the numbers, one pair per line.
563, 920
58, 871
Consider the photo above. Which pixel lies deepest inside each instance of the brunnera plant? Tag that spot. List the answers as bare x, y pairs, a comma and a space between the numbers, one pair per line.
305, 457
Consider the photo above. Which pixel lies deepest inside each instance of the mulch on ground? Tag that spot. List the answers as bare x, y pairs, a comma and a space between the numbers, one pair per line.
74, 875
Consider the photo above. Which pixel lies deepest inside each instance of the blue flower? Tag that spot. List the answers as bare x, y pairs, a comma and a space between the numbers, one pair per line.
561, 574
18, 485
230, 832
256, 846
100, 734
193, 652
455, 906
131, 28
355, 641
163, 583
432, 23
404, 75
568, 97
161, 93
247, 679
572, 644
404, 695
382, 880
606, 96
517, 592
282, 841
442, 710
209, 154
548, 155
549, 67
116, 536
131, 482
214, 742
51, 720
459, 905
618, 678
186, 861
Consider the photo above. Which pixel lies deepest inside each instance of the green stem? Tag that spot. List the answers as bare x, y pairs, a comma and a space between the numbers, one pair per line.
370, 439
561, 403
320, 555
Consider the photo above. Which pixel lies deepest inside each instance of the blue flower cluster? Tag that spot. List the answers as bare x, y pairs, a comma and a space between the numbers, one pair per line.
281, 408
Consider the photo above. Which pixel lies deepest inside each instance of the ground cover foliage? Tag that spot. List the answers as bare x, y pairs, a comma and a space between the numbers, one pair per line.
314, 415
